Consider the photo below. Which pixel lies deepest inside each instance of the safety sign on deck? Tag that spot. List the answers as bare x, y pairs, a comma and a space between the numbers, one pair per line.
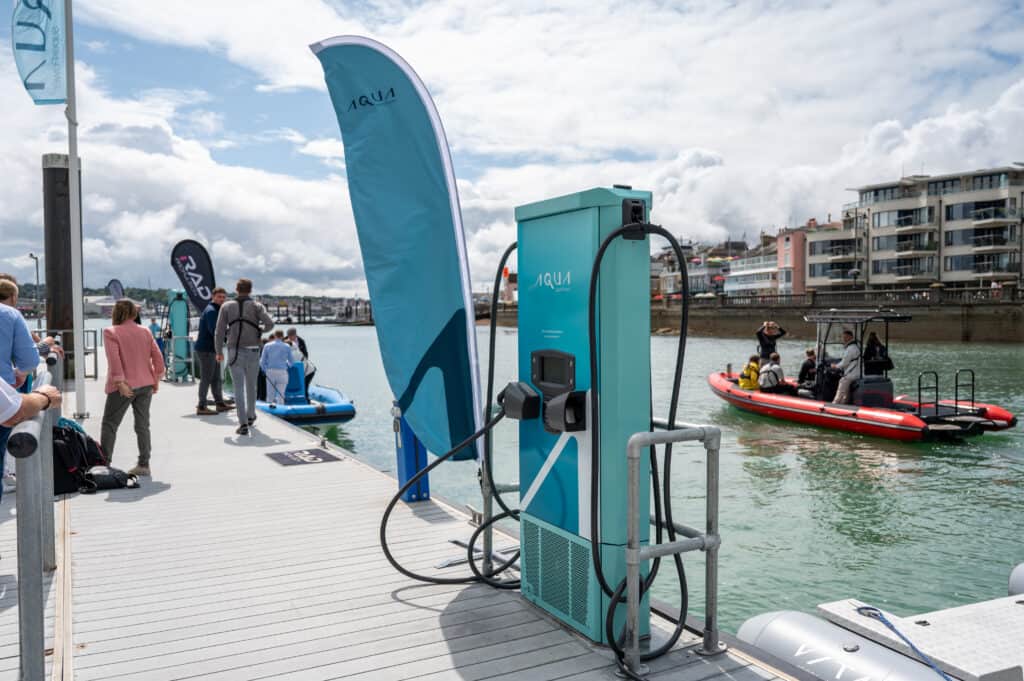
301, 456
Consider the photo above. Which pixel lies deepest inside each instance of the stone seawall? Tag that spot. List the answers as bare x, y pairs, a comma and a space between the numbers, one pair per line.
988, 323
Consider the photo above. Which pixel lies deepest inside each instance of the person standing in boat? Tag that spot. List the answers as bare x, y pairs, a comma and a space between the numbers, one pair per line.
241, 322
767, 336
850, 366
276, 360
876, 356
295, 340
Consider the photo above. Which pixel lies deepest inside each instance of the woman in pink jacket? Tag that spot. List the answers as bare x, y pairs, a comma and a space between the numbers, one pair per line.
134, 369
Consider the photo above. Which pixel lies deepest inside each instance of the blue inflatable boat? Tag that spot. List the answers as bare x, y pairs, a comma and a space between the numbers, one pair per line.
324, 405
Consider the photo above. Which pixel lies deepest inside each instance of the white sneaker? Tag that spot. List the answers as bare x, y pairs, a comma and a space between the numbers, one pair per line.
9, 482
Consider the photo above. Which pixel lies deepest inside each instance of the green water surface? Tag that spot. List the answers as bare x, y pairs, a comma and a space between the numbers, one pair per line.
807, 515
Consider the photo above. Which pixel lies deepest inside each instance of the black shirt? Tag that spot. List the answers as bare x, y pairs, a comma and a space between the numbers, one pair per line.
807, 371
766, 343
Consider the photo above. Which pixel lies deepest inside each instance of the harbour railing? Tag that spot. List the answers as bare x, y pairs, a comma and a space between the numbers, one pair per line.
1006, 293
31, 444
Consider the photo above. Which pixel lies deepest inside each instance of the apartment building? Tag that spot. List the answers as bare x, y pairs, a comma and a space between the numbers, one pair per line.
791, 245
836, 254
961, 229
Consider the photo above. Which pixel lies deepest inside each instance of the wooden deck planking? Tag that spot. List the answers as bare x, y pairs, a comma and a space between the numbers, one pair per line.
227, 565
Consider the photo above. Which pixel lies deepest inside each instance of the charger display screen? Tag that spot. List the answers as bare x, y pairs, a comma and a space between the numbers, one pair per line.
554, 370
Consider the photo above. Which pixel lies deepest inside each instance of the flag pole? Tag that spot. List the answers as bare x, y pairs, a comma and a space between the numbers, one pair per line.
74, 197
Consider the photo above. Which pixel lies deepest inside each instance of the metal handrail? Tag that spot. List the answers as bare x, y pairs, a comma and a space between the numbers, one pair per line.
88, 350
956, 389
708, 541
920, 388
34, 528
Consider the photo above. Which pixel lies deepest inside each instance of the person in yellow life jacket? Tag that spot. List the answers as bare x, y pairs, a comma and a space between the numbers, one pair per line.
748, 377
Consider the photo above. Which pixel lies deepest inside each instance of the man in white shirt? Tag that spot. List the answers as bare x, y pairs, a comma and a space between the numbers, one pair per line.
850, 365
16, 407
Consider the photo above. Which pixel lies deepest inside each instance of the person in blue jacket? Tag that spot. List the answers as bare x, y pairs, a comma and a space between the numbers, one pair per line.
210, 379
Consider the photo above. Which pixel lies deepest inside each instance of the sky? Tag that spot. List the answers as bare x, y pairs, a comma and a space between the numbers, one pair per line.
211, 120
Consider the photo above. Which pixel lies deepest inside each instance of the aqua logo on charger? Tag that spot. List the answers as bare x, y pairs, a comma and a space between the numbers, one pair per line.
556, 281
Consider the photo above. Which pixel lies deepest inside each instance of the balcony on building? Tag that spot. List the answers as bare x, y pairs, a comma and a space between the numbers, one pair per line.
842, 254
841, 276
912, 247
996, 270
908, 225
995, 217
993, 242
912, 273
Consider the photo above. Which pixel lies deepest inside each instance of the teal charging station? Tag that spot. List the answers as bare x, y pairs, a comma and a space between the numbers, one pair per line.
558, 241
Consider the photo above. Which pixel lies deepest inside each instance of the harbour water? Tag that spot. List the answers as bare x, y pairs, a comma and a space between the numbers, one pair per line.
807, 515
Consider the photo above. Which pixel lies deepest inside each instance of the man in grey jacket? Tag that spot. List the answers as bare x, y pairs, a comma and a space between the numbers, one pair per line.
242, 321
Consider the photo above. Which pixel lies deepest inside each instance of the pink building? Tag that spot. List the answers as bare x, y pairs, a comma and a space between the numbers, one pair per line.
792, 250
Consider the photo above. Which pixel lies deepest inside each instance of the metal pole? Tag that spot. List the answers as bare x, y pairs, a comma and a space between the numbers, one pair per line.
46, 452
24, 445
74, 198
712, 443
39, 316
633, 561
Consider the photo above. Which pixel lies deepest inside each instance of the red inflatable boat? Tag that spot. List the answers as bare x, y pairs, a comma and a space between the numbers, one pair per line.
904, 421
875, 410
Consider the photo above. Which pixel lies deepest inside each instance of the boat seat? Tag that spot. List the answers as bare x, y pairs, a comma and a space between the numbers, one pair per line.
873, 391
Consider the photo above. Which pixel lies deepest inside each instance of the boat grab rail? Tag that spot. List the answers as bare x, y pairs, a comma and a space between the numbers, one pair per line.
956, 390
921, 387
708, 541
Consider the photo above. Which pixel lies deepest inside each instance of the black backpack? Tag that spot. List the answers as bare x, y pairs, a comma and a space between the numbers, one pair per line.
74, 453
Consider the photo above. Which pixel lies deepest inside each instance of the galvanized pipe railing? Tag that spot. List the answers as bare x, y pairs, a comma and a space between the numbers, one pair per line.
31, 444
707, 541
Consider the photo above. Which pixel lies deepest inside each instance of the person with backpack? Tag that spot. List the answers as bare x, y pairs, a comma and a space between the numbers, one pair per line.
134, 369
240, 325
772, 379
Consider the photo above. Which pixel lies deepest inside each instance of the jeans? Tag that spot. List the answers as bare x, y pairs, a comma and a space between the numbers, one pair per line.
210, 379
277, 383
114, 411
245, 365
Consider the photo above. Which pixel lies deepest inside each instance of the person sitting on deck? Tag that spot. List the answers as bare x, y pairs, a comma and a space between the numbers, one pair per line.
771, 378
850, 366
876, 356
748, 377
276, 360
808, 370
767, 336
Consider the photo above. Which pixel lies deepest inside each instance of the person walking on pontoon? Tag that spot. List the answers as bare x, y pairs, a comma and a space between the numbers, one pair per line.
240, 324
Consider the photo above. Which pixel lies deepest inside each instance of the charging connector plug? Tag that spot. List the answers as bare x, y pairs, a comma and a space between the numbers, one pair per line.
520, 401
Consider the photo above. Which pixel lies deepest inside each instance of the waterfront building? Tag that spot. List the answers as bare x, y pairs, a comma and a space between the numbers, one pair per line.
757, 272
835, 255
790, 244
962, 229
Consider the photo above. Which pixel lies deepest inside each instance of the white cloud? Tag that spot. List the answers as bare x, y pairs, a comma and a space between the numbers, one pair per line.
738, 117
329, 150
97, 46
